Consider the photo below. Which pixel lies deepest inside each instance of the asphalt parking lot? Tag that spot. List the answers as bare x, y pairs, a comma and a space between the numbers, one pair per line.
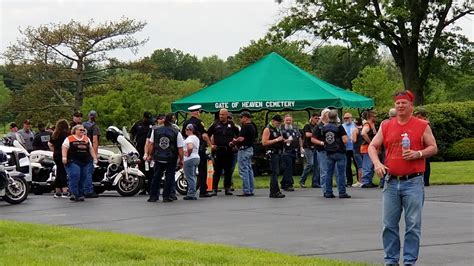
303, 223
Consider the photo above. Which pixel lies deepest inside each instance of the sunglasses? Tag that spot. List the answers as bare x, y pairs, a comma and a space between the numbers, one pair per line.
345, 118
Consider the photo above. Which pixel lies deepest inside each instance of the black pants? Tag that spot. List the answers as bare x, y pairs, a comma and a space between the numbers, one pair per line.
349, 159
275, 161
169, 170
426, 176
61, 176
223, 161
202, 176
287, 161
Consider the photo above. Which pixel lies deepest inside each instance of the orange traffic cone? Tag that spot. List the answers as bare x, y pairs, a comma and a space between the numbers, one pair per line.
210, 174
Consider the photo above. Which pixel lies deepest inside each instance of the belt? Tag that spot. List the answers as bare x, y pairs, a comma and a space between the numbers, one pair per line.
404, 177
244, 147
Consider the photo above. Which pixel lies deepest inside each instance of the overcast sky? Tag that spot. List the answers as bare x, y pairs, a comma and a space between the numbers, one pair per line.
201, 28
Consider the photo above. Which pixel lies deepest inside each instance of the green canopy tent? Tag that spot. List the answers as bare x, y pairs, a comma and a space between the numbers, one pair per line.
274, 84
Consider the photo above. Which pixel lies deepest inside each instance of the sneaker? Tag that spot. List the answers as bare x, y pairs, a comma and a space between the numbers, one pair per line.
152, 199
245, 195
167, 200
91, 195
205, 195
289, 189
57, 195
80, 199
358, 184
173, 197
329, 196
345, 196
65, 195
302, 185
189, 198
73, 198
277, 195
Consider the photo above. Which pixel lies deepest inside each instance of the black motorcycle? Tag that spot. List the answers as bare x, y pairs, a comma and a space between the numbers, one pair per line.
13, 186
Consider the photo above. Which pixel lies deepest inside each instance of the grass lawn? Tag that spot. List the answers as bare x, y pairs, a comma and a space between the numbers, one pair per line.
31, 244
452, 173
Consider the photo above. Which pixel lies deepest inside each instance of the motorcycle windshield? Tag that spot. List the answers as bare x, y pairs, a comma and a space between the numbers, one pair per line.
125, 145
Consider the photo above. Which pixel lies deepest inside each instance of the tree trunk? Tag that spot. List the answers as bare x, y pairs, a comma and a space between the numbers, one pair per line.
79, 93
411, 73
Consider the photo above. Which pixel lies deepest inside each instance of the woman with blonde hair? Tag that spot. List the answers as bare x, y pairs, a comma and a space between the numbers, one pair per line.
77, 156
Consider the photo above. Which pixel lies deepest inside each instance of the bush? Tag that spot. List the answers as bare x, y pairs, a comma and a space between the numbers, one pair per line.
450, 122
461, 150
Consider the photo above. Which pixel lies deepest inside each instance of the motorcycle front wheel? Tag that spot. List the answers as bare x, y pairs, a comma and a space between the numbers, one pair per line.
130, 186
17, 191
182, 184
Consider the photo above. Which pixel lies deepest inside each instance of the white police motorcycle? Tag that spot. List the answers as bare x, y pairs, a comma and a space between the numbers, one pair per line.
118, 171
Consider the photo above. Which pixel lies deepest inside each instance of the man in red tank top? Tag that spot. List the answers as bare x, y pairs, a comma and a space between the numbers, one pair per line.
403, 173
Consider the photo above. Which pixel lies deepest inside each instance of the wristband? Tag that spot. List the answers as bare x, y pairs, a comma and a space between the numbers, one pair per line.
420, 154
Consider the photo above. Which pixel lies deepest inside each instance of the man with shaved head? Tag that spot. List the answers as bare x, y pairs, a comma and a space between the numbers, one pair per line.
222, 134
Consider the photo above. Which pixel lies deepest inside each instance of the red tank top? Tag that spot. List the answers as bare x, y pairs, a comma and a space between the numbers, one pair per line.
392, 138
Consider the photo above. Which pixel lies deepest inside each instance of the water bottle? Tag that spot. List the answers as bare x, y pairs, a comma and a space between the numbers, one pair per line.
290, 138
405, 142
147, 166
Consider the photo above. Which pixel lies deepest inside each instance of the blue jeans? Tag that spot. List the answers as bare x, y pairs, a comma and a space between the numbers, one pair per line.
287, 161
169, 170
190, 167
311, 164
88, 186
358, 160
322, 167
407, 196
275, 160
335, 160
245, 170
367, 169
77, 173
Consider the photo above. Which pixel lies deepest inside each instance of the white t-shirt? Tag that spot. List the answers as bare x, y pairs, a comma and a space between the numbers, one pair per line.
195, 141
179, 139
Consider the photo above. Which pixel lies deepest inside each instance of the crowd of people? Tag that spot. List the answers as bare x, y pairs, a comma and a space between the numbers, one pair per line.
329, 147
74, 145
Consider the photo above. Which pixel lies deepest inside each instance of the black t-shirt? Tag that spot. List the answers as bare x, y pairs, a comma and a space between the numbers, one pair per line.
317, 133
139, 132
248, 132
307, 141
223, 133
40, 142
58, 143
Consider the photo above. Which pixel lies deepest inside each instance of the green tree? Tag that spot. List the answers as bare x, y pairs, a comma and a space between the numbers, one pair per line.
375, 82
5, 100
339, 65
174, 64
72, 52
213, 69
292, 51
414, 31
122, 100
